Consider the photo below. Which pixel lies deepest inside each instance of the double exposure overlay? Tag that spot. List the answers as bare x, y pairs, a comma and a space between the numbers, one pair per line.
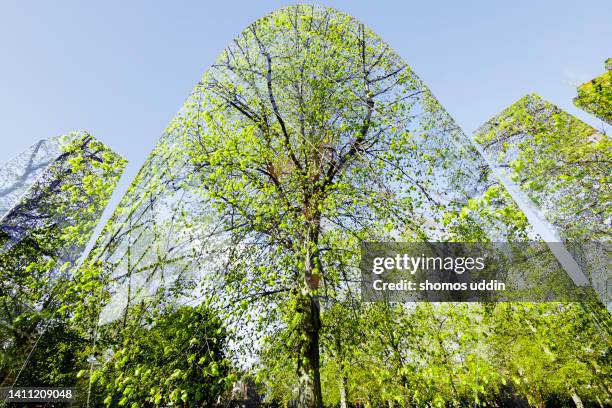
229, 273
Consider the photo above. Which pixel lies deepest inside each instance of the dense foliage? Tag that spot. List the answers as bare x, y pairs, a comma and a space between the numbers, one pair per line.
177, 360
41, 239
595, 96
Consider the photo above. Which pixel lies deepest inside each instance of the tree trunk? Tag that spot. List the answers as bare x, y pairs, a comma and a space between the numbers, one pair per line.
309, 379
308, 312
576, 399
342, 391
342, 379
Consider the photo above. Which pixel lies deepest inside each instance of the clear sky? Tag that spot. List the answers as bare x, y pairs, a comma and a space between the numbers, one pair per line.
122, 69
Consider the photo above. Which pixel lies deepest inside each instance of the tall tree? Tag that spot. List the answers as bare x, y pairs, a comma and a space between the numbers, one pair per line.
307, 136
310, 135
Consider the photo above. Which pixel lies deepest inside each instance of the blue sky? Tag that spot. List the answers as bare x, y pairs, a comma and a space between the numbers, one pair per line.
122, 69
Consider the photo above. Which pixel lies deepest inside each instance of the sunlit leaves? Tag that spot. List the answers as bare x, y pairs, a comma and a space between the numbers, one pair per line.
595, 96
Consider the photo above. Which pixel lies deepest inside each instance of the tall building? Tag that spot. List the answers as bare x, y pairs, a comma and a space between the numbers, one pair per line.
52, 198
562, 166
560, 162
17, 175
